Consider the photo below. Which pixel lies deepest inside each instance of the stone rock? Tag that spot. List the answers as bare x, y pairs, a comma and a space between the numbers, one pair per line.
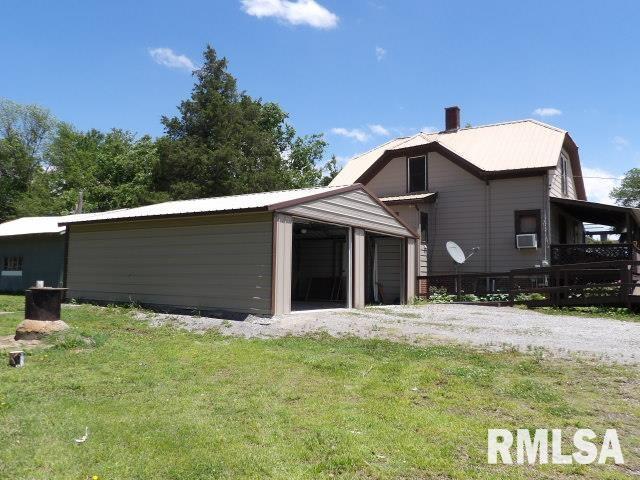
34, 329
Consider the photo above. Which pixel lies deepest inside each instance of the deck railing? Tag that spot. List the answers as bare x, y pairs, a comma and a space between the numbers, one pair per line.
589, 283
590, 252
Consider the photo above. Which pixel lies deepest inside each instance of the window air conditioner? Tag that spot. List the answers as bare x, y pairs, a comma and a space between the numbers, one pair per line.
527, 240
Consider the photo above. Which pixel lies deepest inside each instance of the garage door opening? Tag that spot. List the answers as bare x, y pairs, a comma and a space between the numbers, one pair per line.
320, 266
384, 260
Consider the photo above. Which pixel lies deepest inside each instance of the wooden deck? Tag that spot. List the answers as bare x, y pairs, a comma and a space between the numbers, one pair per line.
580, 284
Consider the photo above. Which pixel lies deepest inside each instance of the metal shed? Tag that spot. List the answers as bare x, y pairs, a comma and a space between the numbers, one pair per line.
31, 249
254, 254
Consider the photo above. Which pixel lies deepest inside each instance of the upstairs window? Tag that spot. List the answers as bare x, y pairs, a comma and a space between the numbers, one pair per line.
564, 175
417, 173
12, 264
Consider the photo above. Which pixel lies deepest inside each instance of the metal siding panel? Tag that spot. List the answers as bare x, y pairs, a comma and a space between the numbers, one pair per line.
410, 273
358, 268
282, 274
354, 208
390, 267
42, 259
217, 266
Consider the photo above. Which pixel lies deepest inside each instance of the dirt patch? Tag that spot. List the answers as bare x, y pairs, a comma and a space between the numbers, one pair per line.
7, 342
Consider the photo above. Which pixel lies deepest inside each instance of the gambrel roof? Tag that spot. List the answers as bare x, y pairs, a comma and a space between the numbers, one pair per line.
490, 150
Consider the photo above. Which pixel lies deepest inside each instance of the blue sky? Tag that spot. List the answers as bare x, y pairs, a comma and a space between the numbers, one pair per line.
359, 71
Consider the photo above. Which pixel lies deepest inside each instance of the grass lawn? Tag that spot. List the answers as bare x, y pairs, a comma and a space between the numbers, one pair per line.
162, 403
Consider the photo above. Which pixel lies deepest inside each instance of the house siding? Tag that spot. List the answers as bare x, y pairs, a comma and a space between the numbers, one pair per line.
470, 212
458, 215
391, 180
206, 263
507, 196
355, 208
555, 181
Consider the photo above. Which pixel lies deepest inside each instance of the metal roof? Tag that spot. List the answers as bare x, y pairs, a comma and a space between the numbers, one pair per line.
233, 203
31, 226
520, 144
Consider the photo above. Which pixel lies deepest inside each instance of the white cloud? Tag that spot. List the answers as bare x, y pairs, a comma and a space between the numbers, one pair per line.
620, 142
547, 112
168, 58
297, 12
598, 183
354, 133
378, 129
429, 129
380, 53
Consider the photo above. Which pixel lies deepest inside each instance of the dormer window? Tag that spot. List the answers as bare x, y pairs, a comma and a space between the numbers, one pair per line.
564, 175
417, 174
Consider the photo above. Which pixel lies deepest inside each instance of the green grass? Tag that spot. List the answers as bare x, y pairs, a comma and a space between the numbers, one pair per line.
167, 404
615, 313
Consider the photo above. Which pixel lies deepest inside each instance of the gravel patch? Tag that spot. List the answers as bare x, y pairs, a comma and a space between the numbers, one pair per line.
482, 326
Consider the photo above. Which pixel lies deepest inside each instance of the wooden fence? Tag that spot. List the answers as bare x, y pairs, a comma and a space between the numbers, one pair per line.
589, 283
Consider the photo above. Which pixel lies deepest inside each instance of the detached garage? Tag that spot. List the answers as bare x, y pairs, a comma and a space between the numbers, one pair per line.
264, 254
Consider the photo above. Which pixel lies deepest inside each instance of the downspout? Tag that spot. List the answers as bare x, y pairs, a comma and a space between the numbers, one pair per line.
487, 226
546, 223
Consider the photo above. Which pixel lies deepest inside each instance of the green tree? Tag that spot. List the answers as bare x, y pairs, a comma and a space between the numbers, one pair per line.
25, 135
112, 170
332, 170
225, 142
628, 193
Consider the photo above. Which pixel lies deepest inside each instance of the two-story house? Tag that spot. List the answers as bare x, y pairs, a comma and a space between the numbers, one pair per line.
512, 189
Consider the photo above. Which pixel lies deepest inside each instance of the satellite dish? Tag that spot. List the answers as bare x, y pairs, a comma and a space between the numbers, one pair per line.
456, 252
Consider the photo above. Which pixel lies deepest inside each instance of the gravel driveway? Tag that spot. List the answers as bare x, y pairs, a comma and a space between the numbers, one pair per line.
492, 327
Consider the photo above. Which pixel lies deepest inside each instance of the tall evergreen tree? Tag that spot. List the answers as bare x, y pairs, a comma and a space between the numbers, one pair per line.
225, 142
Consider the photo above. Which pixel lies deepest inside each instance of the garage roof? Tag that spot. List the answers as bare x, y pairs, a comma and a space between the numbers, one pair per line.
232, 203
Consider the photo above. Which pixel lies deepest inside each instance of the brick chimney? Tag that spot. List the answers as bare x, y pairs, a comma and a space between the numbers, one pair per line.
451, 119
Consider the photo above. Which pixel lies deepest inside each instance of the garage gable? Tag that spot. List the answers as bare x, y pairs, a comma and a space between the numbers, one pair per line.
354, 207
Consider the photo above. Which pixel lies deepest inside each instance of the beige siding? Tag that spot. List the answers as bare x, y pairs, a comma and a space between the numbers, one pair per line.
410, 279
507, 196
555, 181
208, 263
411, 216
468, 212
391, 180
355, 208
459, 214
283, 226
358, 268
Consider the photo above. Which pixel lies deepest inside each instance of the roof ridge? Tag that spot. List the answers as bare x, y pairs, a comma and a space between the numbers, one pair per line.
232, 196
509, 122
